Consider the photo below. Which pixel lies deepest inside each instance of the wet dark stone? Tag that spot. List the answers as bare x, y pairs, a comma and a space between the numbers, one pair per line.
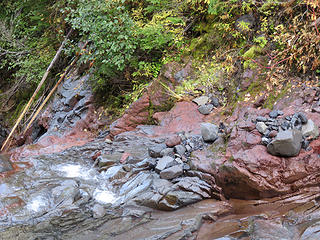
302, 118
305, 144
274, 114
215, 102
205, 109
186, 167
5, 164
265, 140
155, 151
285, 125
261, 119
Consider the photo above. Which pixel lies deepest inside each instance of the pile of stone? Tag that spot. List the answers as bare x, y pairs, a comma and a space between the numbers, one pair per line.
163, 179
170, 158
287, 135
206, 104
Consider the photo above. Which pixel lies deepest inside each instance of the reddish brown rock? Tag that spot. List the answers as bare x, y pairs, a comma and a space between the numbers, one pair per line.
273, 133
154, 99
184, 116
124, 157
136, 114
173, 141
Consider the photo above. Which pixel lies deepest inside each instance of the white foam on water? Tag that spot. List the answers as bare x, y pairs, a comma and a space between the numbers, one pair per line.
37, 203
4, 190
104, 196
74, 170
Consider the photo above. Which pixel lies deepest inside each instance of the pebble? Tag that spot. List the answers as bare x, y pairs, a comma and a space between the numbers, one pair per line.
215, 102
273, 114
261, 119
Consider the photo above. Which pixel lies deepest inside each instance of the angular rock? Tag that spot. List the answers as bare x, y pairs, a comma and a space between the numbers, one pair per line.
173, 141
261, 119
176, 199
147, 162
194, 184
205, 109
262, 127
287, 143
155, 151
303, 118
180, 149
167, 152
98, 211
215, 102
209, 132
172, 172
66, 193
115, 172
201, 100
310, 129
135, 182
105, 162
274, 114
165, 162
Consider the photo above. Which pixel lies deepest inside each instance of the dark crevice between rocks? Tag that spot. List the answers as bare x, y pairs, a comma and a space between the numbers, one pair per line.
38, 131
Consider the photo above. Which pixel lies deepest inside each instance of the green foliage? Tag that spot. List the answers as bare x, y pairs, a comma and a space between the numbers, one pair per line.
109, 28
26, 38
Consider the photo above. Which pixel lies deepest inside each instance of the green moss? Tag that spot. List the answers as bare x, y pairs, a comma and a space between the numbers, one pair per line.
251, 54
274, 97
231, 159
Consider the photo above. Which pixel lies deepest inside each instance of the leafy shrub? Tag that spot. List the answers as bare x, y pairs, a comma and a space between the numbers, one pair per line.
109, 28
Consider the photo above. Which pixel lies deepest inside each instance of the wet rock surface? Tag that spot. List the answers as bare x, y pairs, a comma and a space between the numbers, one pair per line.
112, 189
5, 164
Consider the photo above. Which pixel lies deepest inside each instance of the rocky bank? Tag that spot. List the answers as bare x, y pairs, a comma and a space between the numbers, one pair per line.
66, 182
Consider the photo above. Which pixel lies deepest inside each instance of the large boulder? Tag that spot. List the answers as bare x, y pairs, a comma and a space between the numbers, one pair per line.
287, 143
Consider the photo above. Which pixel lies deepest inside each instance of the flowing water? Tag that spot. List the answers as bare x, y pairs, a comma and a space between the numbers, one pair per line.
54, 198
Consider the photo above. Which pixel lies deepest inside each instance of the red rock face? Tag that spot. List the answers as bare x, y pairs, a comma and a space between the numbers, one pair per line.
184, 116
136, 114
154, 98
249, 172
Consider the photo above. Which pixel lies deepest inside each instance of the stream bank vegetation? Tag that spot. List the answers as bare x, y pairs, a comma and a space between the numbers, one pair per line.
129, 42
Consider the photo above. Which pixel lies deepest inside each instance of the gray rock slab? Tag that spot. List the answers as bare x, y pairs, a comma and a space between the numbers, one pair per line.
172, 172
262, 127
310, 129
155, 151
180, 149
167, 152
5, 164
176, 199
201, 100
165, 162
286, 143
209, 132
